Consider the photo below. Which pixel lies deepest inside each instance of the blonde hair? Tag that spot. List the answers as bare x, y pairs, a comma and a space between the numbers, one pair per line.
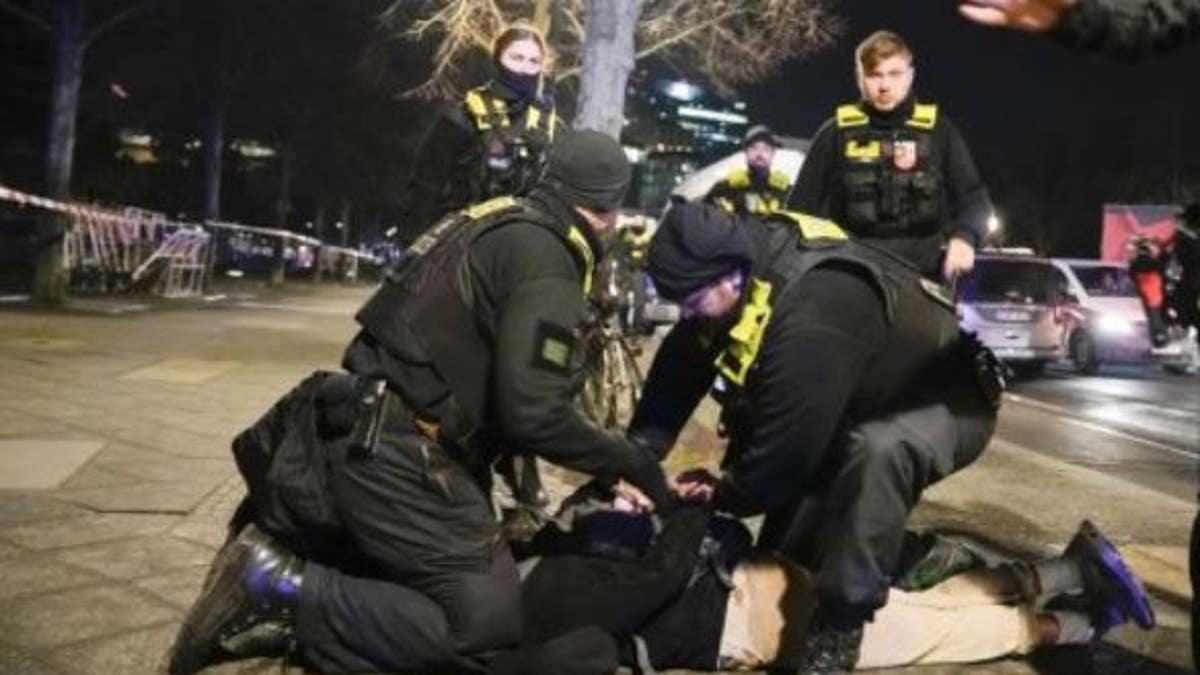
878, 46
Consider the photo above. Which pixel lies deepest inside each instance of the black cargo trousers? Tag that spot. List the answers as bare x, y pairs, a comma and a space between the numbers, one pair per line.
851, 526
428, 584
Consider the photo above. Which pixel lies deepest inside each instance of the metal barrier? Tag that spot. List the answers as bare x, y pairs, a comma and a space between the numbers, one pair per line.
122, 249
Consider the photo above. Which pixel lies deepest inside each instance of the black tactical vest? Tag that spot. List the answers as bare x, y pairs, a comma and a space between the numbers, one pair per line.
739, 195
513, 147
426, 301
920, 312
892, 177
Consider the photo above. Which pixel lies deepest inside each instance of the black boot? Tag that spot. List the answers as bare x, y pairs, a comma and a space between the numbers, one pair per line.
829, 649
247, 607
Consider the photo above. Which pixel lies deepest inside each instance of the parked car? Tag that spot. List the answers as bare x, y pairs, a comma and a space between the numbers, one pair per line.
1013, 301
1107, 323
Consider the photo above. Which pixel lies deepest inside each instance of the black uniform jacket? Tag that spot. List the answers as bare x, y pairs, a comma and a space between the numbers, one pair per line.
819, 189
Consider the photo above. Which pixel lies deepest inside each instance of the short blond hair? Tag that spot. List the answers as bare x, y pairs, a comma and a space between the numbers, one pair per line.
877, 47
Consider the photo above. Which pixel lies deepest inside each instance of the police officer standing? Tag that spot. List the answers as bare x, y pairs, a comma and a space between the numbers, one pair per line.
493, 141
757, 188
473, 340
896, 171
838, 369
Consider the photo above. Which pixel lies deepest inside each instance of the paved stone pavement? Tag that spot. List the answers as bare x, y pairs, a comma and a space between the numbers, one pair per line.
116, 477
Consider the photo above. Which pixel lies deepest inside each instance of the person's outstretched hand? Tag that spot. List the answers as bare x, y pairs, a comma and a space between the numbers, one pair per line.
1034, 16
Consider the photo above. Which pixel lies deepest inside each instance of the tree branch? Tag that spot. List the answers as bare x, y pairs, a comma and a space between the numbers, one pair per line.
683, 35
29, 16
115, 20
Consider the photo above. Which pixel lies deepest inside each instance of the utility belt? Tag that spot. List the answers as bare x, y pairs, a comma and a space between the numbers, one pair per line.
380, 411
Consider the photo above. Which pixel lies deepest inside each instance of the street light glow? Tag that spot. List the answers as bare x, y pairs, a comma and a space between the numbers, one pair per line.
993, 224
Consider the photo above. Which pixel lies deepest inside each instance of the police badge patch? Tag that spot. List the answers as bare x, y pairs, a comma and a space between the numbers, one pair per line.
904, 155
553, 347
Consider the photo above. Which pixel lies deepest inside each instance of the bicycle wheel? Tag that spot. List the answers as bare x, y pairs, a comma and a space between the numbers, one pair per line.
623, 379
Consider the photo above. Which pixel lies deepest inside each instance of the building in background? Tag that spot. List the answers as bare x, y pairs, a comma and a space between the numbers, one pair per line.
673, 128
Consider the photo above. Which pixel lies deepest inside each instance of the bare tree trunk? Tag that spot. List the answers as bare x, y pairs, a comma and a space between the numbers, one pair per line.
283, 200
214, 148
50, 274
320, 215
64, 101
345, 221
608, 58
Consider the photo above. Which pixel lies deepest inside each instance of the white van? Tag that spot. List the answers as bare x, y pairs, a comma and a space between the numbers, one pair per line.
1014, 303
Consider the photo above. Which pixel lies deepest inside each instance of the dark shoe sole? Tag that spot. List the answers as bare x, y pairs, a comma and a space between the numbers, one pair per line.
196, 645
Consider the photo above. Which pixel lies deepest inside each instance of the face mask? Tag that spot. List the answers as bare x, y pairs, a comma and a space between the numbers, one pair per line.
524, 85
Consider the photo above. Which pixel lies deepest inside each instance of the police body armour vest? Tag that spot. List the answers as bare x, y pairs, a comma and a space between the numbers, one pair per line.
426, 299
513, 146
892, 177
759, 202
920, 313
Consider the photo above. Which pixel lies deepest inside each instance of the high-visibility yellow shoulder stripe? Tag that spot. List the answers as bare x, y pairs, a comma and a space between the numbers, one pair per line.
746, 336
924, 116
477, 108
580, 242
778, 180
850, 115
738, 179
489, 207
812, 227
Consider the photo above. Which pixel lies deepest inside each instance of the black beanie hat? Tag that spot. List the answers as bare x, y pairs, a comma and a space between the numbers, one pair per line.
587, 168
695, 245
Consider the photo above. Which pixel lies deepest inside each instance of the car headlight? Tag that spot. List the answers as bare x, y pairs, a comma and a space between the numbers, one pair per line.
1113, 325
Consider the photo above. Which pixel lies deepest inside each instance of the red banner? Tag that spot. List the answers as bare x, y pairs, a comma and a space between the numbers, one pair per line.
1123, 222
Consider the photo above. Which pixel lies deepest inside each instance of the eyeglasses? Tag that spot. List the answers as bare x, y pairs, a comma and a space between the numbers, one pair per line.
704, 301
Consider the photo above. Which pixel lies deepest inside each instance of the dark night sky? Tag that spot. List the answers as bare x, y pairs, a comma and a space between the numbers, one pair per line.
990, 81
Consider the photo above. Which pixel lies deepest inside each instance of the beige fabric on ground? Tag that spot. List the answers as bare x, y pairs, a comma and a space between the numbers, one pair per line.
961, 620
768, 612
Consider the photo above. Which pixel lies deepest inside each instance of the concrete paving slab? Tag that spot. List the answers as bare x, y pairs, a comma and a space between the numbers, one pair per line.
40, 463
25, 508
171, 469
90, 529
1167, 566
177, 588
181, 371
44, 344
137, 558
32, 574
173, 441
206, 530
9, 551
142, 497
93, 476
136, 653
14, 661
56, 619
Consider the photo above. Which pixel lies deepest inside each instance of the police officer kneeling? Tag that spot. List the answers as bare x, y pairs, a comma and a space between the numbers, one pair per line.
839, 370
472, 341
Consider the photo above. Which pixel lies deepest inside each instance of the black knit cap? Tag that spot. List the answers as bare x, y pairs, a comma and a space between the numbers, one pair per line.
759, 132
587, 168
695, 245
